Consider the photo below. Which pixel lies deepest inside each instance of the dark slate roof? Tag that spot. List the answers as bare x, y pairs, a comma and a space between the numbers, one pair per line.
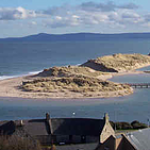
36, 127
7, 127
140, 139
56, 126
33, 127
77, 126
91, 146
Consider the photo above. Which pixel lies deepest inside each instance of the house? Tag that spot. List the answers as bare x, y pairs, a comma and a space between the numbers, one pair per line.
137, 140
123, 143
61, 131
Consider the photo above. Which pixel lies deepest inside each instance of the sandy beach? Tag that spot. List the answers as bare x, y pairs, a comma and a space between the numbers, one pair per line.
10, 88
95, 83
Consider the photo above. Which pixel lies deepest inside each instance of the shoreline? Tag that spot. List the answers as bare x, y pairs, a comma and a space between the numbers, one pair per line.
101, 100
127, 73
9, 89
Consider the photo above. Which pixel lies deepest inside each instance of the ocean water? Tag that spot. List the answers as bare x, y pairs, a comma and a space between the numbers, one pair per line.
22, 58
17, 58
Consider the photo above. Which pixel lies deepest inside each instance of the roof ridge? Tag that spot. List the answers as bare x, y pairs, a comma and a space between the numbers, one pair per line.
80, 118
50, 126
126, 137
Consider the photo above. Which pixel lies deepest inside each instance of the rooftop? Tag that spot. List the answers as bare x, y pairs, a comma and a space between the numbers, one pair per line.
55, 126
140, 139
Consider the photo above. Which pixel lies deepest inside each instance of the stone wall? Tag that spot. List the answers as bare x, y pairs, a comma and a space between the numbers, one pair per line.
107, 130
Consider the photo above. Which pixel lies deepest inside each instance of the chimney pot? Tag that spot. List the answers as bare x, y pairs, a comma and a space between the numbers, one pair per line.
21, 123
47, 116
106, 117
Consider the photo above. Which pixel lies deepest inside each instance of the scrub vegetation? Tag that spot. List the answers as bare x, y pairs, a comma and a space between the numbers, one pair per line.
18, 143
87, 80
71, 71
119, 62
73, 84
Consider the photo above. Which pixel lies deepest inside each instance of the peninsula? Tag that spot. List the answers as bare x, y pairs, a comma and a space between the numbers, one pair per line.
88, 80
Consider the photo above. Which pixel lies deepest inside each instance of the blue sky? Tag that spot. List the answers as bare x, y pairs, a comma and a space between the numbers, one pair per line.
26, 17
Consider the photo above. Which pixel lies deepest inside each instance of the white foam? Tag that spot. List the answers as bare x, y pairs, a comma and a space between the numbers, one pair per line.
15, 76
78, 64
30, 73
34, 72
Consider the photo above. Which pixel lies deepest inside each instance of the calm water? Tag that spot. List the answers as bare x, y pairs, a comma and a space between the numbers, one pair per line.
133, 107
22, 58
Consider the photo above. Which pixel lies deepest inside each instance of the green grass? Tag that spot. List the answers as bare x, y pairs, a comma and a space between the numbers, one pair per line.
125, 131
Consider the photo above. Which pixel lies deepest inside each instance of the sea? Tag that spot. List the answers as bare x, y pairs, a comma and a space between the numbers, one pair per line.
24, 58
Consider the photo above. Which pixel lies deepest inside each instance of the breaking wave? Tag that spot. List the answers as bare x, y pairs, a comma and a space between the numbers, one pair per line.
3, 77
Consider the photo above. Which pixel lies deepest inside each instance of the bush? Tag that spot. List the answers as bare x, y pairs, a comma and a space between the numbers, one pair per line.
18, 143
138, 125
126, 125
123, 125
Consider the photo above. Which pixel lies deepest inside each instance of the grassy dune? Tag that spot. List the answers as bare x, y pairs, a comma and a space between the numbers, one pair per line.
86, 80
71, 71
82, 85
119, 62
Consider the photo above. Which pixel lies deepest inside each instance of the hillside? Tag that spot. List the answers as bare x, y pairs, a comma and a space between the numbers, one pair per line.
118, 62
77, 37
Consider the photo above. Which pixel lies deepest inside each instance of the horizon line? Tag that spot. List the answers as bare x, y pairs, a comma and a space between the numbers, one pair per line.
75, 33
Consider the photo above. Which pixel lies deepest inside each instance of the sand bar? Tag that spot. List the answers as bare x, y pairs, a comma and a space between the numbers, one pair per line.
10, 88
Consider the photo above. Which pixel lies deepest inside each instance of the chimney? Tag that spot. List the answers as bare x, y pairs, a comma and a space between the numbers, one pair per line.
48, 123
106, 117
47, 116
21, 123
